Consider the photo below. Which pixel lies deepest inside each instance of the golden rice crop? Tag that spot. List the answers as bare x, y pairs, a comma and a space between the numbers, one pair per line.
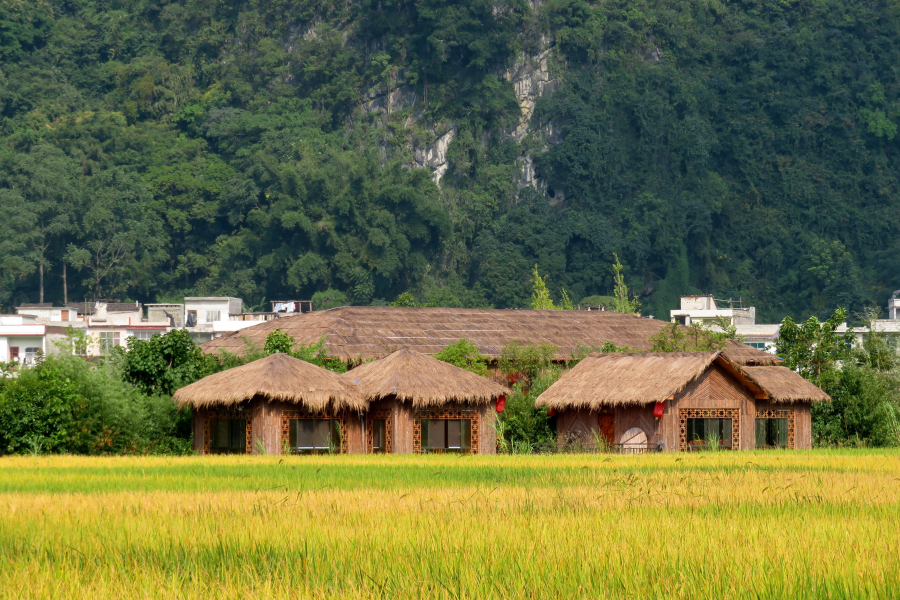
745, 525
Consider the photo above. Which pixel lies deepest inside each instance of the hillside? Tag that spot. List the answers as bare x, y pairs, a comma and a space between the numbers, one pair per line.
359, 150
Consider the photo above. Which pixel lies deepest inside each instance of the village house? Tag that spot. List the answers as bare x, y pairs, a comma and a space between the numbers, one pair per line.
275, 405
681, 401
419, 404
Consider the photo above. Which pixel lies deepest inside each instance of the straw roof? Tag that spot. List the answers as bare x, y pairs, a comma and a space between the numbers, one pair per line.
276, 377
353, 332
784, 385
617, 379
422, 380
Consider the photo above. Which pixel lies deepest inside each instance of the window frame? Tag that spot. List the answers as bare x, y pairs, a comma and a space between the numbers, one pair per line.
789, 415
227, 415
289, 415
471, 415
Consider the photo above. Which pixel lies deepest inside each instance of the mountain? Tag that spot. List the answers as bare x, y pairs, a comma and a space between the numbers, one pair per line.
358, 150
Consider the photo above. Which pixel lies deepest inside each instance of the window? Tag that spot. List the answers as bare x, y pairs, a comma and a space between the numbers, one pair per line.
142, 335
191, 319
315, 436
212, 316
757, 345
228, 436
446, 435
705, 433
379, 436
32, 355
771, 433
13, 353
108, 341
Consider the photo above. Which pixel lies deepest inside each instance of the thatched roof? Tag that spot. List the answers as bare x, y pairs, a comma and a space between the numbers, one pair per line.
784, 385
354, 332
422, 380
276, 377
617, 379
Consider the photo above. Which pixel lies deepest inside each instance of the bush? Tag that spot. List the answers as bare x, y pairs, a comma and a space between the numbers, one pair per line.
67, 405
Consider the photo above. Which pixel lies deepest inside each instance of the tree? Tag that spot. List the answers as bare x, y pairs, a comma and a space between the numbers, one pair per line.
163, 363
624, 304
464, 355
121, 235
278, 341
38, 204
813, 348
693, 338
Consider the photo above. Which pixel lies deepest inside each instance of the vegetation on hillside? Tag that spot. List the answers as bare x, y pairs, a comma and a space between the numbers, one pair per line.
150, 150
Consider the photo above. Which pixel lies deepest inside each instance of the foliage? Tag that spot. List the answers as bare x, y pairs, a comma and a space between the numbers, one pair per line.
67, 405
278, 341
272, 150
530, 370
814, 349
693, 338
624, 304
862, 380
464, 355
163, 363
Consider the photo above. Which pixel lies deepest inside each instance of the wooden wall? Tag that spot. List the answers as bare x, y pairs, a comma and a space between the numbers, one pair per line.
714, 389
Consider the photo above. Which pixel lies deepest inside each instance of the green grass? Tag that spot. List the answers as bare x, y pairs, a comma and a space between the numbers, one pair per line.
747, 525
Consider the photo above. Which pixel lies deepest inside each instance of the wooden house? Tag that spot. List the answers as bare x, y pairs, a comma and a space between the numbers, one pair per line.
359, 333
420, 404
275, 405
681, 401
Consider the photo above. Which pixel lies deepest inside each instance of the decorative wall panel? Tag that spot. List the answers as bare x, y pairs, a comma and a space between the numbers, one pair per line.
710, 413
373, 416
473, 415
781, 414
227, 414
288, 415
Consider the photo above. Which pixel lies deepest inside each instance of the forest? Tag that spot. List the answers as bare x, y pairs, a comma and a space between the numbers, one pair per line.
151, 150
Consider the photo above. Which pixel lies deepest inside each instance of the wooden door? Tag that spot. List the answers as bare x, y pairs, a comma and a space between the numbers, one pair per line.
608, 428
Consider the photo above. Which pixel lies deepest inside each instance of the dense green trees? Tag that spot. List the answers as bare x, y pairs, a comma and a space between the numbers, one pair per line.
150, 150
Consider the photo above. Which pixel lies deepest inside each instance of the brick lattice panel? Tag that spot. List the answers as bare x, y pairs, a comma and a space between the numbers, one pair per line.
710, 413
371, 417
445, 415
288, 415
780, 414
227, 414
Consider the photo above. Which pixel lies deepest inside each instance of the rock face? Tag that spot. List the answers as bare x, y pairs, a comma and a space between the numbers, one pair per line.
531, 79
434, 156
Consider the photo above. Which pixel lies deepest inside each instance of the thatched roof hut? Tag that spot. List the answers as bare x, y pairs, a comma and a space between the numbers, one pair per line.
784, 385
278, 377
363, 332
424, 381
617, 379
606, 380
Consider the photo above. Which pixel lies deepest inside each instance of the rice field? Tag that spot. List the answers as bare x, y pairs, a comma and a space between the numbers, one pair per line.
737, 525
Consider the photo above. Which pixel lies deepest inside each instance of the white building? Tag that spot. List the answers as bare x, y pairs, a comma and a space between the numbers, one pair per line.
23, 338
47, 313
210, 317
706, 311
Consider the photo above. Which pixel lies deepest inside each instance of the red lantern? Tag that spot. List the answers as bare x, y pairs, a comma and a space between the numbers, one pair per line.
551, 412
659, 409
501, 404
